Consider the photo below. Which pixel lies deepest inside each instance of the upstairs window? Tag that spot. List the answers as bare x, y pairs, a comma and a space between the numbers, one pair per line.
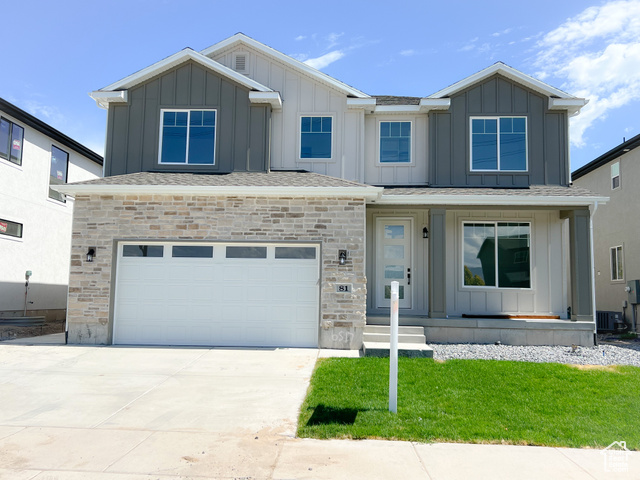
617, 265
315, 137
499, 144
11, 140
58, 172
395, 142
615, 175
188, 137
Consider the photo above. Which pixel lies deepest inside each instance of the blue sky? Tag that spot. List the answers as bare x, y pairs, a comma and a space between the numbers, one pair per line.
62, 50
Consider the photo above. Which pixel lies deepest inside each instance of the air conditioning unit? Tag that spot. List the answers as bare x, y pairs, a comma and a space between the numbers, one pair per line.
609, 321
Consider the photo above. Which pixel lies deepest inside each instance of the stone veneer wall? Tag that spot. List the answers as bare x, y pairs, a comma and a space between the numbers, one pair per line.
101, 220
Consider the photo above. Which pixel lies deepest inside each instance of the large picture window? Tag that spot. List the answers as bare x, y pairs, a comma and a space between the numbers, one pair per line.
58, 172
188, 137
499, 144
11, 141
496, 254
395, 142
617, 265
315, 137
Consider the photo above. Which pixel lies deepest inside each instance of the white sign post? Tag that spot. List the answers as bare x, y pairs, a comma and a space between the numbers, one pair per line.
393, 350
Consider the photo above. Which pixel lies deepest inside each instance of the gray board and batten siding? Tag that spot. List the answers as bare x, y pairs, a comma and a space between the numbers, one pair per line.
133, 130
547, 147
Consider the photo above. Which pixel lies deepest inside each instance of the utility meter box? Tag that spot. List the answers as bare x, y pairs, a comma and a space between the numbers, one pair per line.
633, 288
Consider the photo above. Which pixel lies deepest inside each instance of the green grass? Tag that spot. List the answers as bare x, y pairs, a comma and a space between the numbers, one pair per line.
476, 401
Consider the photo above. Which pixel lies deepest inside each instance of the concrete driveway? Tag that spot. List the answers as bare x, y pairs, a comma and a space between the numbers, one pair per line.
78, 412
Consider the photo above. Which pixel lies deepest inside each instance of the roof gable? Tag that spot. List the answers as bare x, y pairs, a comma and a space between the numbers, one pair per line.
242, 39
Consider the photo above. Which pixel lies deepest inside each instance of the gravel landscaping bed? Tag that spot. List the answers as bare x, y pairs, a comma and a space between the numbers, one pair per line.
623, 353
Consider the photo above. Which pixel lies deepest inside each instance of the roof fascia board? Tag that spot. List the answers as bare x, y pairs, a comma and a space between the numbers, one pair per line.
572, 105
286, 59
369, 193
103, 99
490, 200
270, 98
506, 71
607, 157
176, 59
46, 129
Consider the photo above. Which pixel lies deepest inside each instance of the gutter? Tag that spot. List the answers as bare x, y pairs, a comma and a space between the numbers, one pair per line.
492, 200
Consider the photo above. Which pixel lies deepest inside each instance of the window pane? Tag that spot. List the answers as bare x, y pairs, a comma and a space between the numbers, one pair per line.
316, 124
5, 142
620, 264
513, 255
17, 135
394, 272
191, 251
484, 151
246, 252
387, 291
479, 254
513, 154
142, 251
305, 126
181, 119
202, 138
11, 229
315, 137
477, 126
58, 171
307, 253
384, 129
394, 231
395, 142
519, 125
174, 137
326, 124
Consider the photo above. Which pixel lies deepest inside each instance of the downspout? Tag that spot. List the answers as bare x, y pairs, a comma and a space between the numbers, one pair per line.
592, 210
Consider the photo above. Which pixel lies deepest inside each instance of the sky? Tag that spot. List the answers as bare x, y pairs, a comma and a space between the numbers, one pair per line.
55, 53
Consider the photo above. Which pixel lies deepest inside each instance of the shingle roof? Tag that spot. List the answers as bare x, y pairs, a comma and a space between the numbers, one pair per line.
235, 179
393, 100
532, 191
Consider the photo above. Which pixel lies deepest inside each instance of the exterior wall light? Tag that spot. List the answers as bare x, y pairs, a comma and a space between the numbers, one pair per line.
91, 253
425, 233
342, 257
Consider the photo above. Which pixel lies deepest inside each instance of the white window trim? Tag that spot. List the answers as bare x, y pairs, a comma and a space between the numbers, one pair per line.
333, 134
188, 110
496, 287
619, 260
411, 143
614, 176
498, 117
64, 201
11, 237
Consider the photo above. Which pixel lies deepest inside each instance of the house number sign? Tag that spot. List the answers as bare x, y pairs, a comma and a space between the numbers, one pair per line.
344, 288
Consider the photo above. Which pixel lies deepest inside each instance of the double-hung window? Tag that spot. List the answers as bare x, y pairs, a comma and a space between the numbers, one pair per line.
315, 137
615, 175
499, 144
58, 172
497, 254
188, 137
11, 140
395, 142
617, 265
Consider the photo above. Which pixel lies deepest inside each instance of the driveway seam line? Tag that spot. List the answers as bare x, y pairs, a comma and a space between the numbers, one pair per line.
104, 470
424, 467
147, 391
575, 463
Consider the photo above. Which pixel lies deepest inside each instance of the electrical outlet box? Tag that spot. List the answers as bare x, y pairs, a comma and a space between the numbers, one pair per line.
634, 291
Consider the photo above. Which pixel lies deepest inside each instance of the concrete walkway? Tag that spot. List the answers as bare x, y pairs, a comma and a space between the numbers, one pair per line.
111, 413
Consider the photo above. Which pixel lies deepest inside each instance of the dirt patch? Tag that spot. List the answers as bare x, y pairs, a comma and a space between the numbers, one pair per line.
11, 332
604, 368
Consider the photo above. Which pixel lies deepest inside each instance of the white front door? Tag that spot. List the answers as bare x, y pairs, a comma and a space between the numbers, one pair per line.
393, 259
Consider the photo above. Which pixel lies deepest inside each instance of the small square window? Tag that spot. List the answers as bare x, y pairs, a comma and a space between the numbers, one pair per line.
395, 142
315, 137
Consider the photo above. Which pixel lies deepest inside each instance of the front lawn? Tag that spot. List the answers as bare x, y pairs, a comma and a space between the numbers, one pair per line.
476, 401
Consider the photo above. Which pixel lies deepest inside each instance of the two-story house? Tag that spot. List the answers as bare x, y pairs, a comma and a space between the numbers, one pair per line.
616, 233
250, 199
35, 221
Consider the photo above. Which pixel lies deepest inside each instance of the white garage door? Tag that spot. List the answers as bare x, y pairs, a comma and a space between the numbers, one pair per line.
217, 294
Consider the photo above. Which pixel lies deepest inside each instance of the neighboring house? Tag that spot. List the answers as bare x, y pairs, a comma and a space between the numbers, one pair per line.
250, 199
616, 225
35, 221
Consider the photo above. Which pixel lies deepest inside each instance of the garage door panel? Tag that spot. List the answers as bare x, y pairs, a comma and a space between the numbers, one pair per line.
217, 301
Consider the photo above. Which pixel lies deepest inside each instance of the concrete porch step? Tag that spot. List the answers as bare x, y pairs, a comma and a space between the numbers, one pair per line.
412, 350
402, 338
403, 330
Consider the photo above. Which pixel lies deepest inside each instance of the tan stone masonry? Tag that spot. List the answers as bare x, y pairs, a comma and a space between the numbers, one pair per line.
102, 220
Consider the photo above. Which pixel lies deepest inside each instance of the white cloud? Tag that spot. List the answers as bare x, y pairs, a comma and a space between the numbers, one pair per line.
503, 32
333, 40
300, 37
597, 56
408, 53
44, 112
325, 60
